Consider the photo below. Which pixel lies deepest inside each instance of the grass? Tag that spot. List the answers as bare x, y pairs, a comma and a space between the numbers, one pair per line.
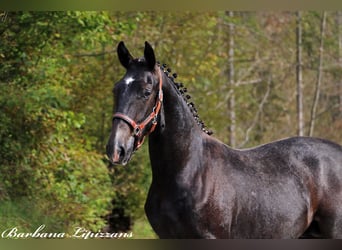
24, 215
142, 229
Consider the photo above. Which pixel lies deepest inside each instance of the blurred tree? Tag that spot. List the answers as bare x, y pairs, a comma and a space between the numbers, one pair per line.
319, 76
299, 74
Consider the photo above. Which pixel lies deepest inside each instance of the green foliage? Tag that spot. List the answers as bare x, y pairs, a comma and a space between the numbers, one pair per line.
26, 216
46, 157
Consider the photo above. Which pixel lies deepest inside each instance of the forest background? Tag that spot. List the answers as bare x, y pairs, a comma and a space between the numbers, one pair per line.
255, 77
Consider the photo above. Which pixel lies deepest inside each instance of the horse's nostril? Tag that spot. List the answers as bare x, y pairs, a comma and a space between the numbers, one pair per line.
121, 152
118, 154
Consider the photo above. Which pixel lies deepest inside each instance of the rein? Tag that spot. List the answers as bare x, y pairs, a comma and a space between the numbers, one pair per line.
138, 128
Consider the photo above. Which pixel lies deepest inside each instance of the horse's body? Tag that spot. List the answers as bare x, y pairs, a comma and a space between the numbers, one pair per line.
202, 188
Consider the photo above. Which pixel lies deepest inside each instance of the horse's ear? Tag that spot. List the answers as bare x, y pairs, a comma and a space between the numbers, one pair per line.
149, 56
124, 55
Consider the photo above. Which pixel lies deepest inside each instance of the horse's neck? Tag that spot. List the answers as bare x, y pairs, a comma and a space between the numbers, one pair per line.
177, 137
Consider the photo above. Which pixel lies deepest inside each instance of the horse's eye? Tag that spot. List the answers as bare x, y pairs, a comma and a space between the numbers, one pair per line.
149, 80
147, 93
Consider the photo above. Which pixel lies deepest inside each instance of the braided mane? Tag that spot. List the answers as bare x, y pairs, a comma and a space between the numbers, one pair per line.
184, 92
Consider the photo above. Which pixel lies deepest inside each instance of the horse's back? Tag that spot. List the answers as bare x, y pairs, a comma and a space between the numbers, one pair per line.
313, 154
280, 157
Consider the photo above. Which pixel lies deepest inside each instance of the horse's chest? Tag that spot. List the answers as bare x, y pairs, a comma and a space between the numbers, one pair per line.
171, 216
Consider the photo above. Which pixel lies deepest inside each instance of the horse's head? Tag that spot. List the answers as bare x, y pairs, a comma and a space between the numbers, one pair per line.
138, 97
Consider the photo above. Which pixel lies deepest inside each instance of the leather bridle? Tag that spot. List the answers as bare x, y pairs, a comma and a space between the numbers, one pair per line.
138, 128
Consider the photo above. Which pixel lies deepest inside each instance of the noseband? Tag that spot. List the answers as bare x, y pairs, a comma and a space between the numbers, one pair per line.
138, 128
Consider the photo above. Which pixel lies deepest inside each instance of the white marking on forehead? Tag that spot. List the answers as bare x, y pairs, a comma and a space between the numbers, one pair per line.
128, 80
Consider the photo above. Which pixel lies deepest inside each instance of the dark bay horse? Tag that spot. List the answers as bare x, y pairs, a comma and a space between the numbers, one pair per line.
201, 188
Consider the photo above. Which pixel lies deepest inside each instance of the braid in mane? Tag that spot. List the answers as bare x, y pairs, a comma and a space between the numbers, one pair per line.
184, 92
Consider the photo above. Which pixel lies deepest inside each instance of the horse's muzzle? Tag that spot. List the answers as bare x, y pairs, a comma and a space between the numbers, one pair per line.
119, 154
120, 145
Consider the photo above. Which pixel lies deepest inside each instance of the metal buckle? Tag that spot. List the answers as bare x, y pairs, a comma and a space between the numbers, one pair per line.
137, 131
154, 120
